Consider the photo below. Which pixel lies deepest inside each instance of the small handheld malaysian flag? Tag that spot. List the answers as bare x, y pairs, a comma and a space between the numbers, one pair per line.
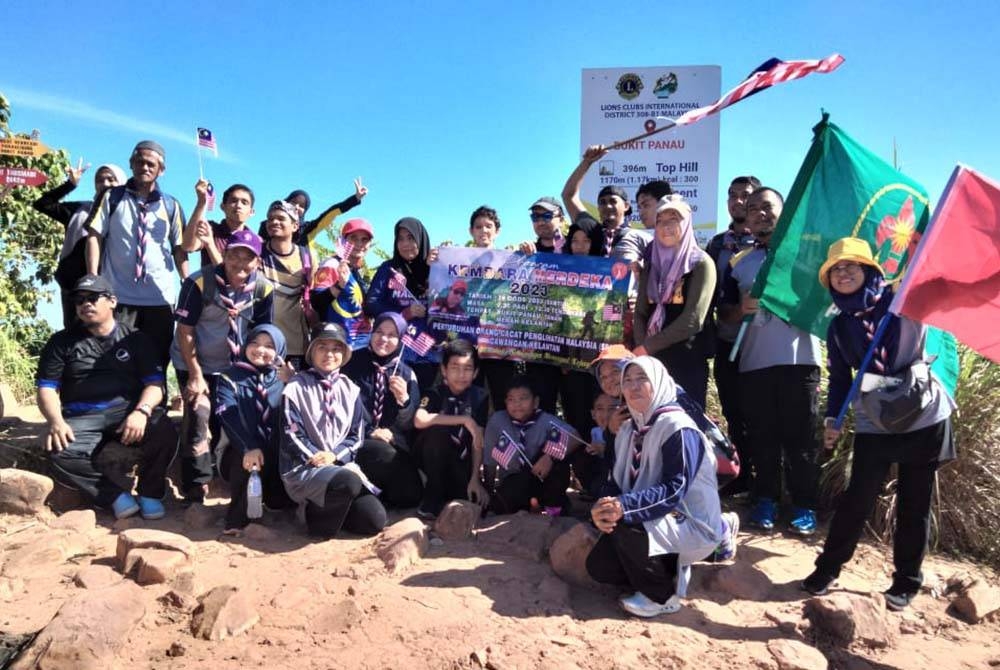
343, 249
556, 442
210, 200
505, 452
207, 140
421, 342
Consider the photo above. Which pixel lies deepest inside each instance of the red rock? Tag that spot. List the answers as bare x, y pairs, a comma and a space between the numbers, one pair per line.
88, 631
45, 551
338, 617
568, 555
979, 600
848, 618
10, 588
78, 520
740, 580
96, 577
223, 612
402, 544
185, 582
795, 655
154, 566
178, 600
457, 520
23, 492
146, 538
523, 535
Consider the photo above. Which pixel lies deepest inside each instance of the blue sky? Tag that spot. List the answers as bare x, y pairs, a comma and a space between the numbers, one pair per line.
444, 106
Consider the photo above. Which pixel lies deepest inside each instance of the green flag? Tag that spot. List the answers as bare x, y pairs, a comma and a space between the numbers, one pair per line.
843, 190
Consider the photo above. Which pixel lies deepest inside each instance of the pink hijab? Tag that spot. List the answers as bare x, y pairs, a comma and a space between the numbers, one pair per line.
668, 265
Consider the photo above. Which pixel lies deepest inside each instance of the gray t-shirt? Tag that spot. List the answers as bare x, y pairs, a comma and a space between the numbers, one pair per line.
768, 341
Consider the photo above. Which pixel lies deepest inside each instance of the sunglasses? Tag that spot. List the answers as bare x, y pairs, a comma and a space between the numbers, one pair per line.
547, 216
88, 298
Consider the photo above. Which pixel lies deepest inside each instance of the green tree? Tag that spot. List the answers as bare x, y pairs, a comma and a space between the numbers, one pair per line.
29, 241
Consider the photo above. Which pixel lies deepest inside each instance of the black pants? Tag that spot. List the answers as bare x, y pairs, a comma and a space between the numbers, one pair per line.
577, 389
392, 470
727, 383
200, 432
231, 468
447, 466
156, 321
916, 456
781, 405
622, 558
689, 369
348, 505
80, 465
516, 490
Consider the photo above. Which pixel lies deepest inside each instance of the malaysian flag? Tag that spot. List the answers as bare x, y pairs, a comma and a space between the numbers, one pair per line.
343, 248
210, 199
612, 313
397, 282
420, 343
556, 442
207, 139
768, 73
505, 452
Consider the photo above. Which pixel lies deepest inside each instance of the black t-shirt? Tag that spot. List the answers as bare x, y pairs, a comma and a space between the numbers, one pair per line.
93, 373
473, 402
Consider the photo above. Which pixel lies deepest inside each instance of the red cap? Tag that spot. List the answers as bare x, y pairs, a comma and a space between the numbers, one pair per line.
357, 225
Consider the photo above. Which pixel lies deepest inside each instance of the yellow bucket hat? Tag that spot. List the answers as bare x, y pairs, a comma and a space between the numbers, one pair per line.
847, 249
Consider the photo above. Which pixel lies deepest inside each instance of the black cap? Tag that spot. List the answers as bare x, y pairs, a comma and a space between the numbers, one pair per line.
328, 331
93, 284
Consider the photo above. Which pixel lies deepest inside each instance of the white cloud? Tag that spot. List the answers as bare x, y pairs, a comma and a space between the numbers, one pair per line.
103, 117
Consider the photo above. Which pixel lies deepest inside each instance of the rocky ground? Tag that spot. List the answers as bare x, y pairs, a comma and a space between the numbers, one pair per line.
79, 590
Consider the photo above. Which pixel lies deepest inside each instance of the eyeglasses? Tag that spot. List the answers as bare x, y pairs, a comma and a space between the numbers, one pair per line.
88, 298
539, 216
846, 268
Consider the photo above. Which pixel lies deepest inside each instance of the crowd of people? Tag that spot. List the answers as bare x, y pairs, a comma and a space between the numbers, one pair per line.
297, 389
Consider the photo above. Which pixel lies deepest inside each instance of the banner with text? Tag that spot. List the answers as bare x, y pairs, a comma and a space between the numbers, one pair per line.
550, 308
619, 103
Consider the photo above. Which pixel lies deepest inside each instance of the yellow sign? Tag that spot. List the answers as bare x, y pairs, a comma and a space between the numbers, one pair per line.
21, 146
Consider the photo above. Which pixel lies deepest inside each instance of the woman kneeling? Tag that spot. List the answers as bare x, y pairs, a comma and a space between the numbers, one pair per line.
660, 509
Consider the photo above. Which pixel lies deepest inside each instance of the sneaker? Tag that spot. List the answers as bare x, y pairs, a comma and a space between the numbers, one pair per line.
818, 583
639, 605
726, 551
764, 514
151, 508
803, 521
897, 601
124, 506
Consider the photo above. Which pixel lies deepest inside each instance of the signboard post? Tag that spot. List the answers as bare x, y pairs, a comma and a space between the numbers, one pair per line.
623, 102
21, 177
23, 147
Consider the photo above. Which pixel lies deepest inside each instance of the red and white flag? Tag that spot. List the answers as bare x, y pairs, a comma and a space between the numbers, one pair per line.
207, 140
768, 73
421, 342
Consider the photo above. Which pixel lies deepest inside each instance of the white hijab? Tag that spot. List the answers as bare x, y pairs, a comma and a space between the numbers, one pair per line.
664, 388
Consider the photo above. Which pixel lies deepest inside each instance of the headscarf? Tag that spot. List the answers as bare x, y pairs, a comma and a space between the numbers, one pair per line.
116, 171
400, 324
861, 313
280, 349
298, 192
416, 271
664, 388
667, 269
594, 250
382, 366
257, 391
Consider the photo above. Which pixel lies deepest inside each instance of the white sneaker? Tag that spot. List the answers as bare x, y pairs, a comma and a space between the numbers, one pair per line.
639, 605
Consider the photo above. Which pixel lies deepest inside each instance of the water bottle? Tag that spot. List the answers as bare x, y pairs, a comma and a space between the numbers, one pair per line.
255, 496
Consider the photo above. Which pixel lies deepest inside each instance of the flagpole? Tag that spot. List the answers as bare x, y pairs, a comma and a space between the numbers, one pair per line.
856, 384
201, 168
739, 338
567, 433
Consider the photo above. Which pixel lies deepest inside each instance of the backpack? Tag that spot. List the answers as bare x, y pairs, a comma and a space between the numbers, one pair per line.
116, 193
727, 460
209, 289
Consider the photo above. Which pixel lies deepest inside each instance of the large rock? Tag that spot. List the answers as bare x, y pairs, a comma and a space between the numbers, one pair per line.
568, 554
848, 618
45, 551
978, 600
523, 535
223, 612
740, 580
88, 631
78, 520
457, 520
96, 577
402, 544
23, 492
795, 655
147, 538
155, 566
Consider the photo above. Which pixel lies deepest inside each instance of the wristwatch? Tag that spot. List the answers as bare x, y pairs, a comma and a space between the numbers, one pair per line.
145, 409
